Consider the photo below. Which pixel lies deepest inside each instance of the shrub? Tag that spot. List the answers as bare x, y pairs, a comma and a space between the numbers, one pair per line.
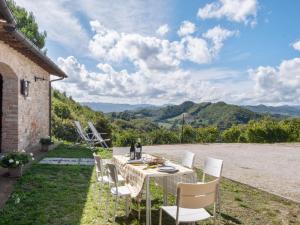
164, 136
189, 134
64, 130
125, 138
232, 135
14, 160
61, 110
207, 134
265, 131
292, 127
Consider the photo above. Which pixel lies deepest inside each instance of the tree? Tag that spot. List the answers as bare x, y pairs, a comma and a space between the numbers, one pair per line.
27, 25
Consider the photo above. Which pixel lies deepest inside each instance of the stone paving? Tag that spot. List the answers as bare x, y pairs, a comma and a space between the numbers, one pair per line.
68, 161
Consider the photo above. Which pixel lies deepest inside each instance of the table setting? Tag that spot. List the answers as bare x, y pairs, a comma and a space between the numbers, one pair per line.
138, 172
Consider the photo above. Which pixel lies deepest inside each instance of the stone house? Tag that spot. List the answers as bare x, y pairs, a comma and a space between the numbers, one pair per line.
25, 99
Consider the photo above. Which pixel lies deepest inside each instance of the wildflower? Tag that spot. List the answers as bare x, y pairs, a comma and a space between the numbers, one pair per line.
17, 200
17, 162
33, 158
11, 161
22, 150
31, 154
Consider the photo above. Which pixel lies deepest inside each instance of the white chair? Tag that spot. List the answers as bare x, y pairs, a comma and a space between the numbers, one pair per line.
83, 135
100, 171
188, 160
116, 190
213, 167
192, 199
97, 136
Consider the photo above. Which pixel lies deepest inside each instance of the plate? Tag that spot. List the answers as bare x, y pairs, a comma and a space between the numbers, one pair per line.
135, 161
167, 169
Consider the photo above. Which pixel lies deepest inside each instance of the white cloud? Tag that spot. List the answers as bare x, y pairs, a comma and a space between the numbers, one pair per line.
144, 52
163, 30
63, 19
186, 28
217, 35
296, 45
242, 11
59, 21
279, 85
133, 16
142, 86
157, 76
195, 50
152, 53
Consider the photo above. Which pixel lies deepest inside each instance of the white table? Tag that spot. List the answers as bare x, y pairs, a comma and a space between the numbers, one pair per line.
137, 175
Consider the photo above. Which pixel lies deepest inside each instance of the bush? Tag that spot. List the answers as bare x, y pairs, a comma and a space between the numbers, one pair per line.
14, 160
125, 138
265, 131
292, 127
189, 134
64, 130
61, 110
207, 135
164, 136
232, 135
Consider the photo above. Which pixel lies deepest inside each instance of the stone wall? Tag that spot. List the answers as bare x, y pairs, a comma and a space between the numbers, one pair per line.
32, 119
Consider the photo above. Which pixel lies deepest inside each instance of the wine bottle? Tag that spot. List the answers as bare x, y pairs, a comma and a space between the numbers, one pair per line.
132, 151
139, 149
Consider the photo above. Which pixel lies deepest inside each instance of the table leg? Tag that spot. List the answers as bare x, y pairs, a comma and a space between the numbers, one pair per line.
165, 187
148, 202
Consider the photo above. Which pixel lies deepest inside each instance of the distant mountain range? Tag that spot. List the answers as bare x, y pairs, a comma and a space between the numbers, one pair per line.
285, 110
198, 114
112, 107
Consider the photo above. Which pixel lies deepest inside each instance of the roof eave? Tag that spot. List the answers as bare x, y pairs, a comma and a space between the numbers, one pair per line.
11, 27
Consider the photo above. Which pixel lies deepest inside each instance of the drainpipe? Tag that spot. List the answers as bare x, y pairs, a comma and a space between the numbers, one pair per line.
50, 103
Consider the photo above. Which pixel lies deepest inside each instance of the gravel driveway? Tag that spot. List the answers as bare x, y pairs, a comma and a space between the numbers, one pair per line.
271, 167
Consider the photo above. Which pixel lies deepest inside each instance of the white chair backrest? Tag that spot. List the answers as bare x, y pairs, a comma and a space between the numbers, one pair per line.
94, 131
193, 196
188, 160
98, 164
212, 167
112, 173
80, 131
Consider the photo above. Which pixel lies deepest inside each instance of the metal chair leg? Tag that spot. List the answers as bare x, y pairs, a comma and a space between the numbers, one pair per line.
115, 209
219, 201
127, 211
160, 216
139, 210
101, 186
107, 204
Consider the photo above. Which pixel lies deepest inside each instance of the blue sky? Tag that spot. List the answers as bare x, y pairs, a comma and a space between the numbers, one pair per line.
238, 51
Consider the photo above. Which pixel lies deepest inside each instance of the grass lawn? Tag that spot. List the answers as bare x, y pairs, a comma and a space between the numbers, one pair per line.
68, 195
77, 151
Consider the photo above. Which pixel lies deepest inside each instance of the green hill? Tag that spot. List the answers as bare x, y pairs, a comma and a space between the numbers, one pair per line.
198, 114
65, 110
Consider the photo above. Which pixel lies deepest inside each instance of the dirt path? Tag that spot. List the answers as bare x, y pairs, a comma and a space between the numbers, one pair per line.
271, 167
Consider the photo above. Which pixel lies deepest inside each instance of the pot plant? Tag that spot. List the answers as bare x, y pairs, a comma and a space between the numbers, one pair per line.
15, 161
45, 143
